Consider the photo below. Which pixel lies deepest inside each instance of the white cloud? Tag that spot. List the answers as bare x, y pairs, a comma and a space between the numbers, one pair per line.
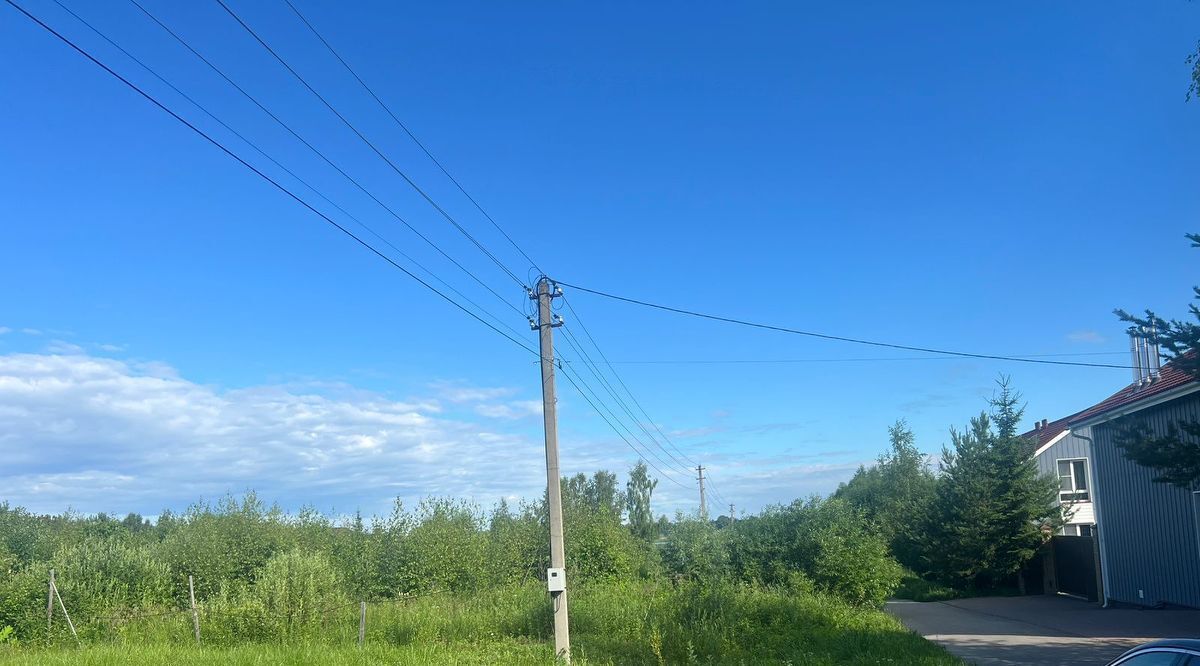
1086, 337
457, 393
31, 331
102, 434
4, 330
512, 410
62, 347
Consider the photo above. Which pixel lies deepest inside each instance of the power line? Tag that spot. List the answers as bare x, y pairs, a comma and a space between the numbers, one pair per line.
617, 419
590, 367
264, 176
610, 424
768, 361
320, 214
588, 333
320, 154
839, 338
285, 169
576, 317
371, 145
410, 134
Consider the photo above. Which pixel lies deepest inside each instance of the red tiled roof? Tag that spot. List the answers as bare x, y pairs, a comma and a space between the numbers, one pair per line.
1169, 378
1047, 432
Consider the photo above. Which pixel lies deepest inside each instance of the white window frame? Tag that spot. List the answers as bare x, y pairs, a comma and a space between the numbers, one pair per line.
1074, 487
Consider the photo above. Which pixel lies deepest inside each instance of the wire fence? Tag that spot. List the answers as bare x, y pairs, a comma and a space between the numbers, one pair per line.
204, 613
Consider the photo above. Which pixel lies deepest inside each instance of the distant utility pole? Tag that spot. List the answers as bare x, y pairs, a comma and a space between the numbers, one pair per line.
732, 515
556, 577
703, 506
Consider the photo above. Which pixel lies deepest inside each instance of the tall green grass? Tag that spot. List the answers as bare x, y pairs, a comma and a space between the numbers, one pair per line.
614, 623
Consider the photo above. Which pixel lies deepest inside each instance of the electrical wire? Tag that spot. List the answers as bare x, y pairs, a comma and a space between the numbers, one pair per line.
596, 409
285, 169
617, 420
770, 361
617, 399
575, 316
262, 175
839, 338
318, 153
410, 134
371, 145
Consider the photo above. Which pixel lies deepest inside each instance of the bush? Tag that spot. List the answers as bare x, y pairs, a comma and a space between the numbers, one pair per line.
98, 575
446, 548
828, 541
695, 550
23, 601
221, 546
290, 598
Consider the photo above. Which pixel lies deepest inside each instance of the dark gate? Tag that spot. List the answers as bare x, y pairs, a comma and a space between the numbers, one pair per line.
1075, 565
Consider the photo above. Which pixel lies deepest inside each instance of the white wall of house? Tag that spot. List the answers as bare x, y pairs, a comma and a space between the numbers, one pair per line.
1080, 513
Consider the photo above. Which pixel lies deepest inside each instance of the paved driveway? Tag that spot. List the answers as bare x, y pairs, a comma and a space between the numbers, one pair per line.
1003, 631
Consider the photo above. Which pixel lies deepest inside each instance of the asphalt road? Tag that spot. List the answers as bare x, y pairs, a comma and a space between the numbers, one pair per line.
1004, 631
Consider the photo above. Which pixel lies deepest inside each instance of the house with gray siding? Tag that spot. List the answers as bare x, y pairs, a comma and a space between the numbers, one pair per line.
1149, 532
1068, 459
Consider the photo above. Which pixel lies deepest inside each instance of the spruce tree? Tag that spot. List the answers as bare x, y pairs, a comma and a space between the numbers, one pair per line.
992, 510
1175, 454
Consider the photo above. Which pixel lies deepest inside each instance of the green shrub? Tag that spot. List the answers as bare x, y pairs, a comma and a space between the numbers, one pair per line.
23, 601
695, 550
445, 549
221, 546
828, 541
98, 575
915, 588
290, 598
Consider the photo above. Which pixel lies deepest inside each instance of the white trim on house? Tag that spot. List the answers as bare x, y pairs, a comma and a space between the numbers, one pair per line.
1075, 489
1077, 512
1187, 389
1042, 449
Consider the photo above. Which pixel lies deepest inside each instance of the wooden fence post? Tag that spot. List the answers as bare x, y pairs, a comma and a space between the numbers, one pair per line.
362, 623
195, 614
50, 605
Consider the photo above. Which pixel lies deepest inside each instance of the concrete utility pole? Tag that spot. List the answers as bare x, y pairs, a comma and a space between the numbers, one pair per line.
556, 577
703, 505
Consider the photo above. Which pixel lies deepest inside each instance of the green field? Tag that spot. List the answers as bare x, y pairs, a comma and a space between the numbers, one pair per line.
646, 623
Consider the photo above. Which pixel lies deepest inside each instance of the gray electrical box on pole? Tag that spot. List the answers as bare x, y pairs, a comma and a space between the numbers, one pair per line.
556, 577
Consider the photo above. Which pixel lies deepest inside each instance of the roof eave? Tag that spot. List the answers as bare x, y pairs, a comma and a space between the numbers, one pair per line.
1125, 410
1055, 440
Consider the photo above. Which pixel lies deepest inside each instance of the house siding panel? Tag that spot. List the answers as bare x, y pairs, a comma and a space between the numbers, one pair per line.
1047, 462
1067, 447
1149, 529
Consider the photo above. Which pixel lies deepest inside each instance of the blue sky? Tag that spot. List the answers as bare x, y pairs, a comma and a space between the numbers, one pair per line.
986, 178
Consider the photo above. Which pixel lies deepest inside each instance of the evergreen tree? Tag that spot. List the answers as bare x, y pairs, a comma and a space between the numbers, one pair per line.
637, 502
992, 510
1174, 455
1194, 61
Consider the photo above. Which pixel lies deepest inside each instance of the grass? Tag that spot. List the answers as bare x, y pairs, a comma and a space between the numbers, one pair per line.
618, 623
915, 588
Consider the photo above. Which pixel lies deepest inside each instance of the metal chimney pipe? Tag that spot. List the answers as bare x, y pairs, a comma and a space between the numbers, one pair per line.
1134, 356
1145, 338
1155, 361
